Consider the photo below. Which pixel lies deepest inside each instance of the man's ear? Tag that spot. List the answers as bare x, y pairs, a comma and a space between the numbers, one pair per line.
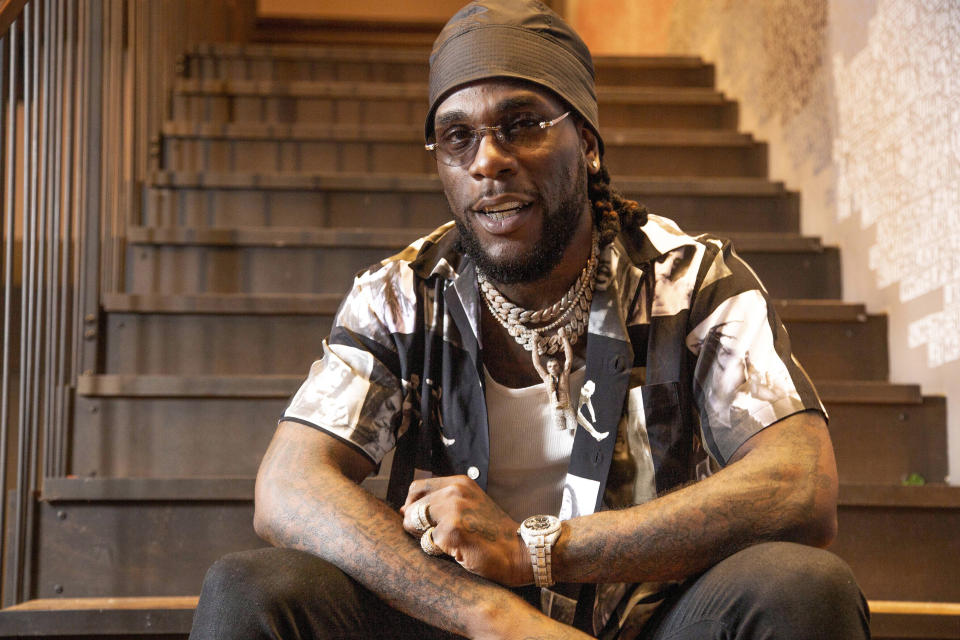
590, 147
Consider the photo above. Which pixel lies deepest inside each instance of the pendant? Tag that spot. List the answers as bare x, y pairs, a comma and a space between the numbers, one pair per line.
556, 377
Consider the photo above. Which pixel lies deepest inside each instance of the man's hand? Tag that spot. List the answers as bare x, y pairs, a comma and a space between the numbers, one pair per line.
471, 528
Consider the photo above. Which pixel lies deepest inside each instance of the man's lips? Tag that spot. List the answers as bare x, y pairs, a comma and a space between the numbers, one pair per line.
505, 211
500, 208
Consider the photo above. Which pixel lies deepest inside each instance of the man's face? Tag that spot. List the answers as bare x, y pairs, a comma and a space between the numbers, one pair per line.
516, 212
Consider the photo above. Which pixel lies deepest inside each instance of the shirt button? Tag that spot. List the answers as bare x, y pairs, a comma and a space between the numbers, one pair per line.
473, 473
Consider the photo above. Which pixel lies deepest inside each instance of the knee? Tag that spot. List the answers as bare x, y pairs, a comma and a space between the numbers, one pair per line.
266, 578
805, 575
805, 588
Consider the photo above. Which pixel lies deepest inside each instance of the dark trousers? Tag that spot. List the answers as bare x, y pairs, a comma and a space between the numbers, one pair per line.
774, 590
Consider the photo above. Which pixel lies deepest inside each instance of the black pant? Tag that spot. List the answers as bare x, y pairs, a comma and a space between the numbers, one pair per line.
773, 590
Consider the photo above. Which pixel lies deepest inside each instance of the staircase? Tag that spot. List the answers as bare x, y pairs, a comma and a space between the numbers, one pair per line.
285, 169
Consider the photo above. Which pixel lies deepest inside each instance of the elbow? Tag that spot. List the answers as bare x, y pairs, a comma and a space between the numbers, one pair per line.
264, 516
818, 512
821, 530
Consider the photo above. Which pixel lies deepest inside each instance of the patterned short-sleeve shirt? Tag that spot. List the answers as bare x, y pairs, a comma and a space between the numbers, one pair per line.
686, 354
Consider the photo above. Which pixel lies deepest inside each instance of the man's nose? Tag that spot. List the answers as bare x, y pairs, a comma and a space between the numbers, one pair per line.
491, 159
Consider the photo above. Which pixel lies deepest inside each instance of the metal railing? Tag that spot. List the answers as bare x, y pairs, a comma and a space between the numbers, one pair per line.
84, 88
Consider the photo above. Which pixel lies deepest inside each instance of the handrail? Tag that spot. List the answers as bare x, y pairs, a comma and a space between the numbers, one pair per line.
10, 10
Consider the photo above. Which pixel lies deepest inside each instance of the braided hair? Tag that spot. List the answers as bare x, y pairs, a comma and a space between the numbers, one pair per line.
612, 213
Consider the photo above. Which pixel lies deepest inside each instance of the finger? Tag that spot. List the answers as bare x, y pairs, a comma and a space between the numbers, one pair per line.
429, 545
420, 489
417, 518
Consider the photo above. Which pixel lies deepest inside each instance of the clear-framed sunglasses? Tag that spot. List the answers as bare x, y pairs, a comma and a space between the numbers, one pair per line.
456, 146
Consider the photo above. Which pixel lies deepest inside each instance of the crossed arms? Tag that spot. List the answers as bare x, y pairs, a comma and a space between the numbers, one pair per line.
780, 485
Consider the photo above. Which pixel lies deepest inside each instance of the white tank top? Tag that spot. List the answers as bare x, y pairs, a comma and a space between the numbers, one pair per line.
529, 456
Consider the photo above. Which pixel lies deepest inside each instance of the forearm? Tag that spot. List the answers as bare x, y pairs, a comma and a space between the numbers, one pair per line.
787, 491
325, 513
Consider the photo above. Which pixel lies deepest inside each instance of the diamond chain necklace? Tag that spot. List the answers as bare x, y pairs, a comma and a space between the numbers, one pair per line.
573, 307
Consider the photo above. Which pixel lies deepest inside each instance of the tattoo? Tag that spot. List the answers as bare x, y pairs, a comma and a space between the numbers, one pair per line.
691, 529
474, 522
311, 507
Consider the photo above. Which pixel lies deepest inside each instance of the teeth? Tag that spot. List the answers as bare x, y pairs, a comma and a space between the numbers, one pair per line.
501, 215
506, 206
501, 211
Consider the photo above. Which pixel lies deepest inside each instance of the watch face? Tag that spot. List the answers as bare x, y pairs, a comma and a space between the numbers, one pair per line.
539, 523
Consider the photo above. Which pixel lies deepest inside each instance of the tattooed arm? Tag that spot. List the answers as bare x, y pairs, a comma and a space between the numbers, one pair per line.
781, 485
307, 498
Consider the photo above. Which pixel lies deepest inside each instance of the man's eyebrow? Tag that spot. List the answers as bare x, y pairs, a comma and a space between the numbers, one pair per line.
520, 102
507, 104
448, 117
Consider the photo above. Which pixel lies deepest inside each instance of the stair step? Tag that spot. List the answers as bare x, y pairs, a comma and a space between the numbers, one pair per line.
283, 386
298, 63
900, 541
199, 426
904, 620
395, 238
159, 433
868, 392
100, 617
147, 489
179, 386
210, 199
138, 426
199, 334
885, 443
398, 103
370, 33
328, 266
202, 489
253, 147
909, 620
325, 304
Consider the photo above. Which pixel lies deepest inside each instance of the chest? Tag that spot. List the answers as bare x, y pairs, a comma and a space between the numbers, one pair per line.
508, 362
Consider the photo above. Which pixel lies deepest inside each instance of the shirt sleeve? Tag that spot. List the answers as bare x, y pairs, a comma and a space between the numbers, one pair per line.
745, 375
354, 391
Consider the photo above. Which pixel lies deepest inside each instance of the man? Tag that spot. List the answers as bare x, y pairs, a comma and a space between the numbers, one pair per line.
684, 525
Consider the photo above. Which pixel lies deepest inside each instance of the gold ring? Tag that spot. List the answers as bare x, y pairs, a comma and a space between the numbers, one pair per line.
428, 545
422, 516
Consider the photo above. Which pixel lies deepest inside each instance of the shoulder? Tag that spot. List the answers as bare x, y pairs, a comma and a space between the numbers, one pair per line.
387, 292
662, 248
661, 237
435, 254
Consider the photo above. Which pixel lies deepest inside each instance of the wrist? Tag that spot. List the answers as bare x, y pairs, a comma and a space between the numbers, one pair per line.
523, 569
539, 533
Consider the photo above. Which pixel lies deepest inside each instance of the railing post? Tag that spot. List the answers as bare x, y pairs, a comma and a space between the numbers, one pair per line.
8, 119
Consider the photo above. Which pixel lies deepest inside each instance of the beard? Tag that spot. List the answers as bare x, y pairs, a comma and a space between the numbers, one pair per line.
559, 227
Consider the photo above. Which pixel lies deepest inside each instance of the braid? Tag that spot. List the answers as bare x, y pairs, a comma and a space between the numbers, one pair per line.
611, 211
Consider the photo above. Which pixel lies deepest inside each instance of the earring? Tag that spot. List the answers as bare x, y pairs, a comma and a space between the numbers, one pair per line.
596, 163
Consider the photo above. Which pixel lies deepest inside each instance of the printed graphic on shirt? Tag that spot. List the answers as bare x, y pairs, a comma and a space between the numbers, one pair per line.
579, 497
340, 396
675, 274
743, 382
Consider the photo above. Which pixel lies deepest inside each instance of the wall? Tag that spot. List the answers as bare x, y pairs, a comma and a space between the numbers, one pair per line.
860, 102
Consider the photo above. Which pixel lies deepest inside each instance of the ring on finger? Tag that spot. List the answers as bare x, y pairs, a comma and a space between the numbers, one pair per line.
422, 516
428, 545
